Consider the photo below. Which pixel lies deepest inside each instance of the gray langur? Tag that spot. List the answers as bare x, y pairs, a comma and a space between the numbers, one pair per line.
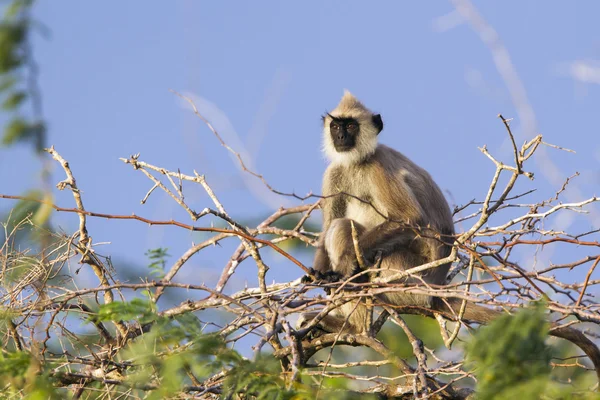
387, 197
391, 202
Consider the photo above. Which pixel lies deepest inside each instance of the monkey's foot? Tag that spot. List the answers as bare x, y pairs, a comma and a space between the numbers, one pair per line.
314, 333
330, 277
305, 319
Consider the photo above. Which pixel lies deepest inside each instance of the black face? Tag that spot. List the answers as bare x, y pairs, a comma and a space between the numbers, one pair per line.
344, 132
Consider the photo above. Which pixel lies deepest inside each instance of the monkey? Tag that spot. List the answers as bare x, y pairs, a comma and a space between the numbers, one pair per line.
391, 202
385, 195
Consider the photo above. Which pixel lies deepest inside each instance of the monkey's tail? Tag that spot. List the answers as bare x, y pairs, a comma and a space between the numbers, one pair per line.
482, 315
450, 308
580, 340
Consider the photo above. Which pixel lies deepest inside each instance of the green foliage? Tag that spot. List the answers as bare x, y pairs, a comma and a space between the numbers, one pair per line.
7, 314
424, 328
20, 130
44, 210
15, 131
17, 7
20, 372
163, 359
12, 34
510, 356
13, 100
14, 364
20, 269
137, 309
175, 347
25, 208
158, 258
261, 378
15, 55
42, 388
33, 209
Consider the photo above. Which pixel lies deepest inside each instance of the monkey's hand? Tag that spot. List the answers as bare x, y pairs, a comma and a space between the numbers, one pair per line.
312, 276
317, 276
348, 265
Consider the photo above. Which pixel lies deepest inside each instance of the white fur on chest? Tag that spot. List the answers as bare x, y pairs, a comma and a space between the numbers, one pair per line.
363, 213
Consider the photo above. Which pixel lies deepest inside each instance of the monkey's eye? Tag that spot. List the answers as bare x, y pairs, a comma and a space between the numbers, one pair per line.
334, 127
351, 127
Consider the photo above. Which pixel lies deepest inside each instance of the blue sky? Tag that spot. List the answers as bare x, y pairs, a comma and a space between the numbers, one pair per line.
264, 72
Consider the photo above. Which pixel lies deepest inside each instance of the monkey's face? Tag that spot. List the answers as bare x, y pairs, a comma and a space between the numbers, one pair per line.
344, 132
350, 131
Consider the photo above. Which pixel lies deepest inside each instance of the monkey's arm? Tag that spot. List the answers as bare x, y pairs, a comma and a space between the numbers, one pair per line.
321, 262
396, 197
393, 196
333, 206
385, 238
322, 269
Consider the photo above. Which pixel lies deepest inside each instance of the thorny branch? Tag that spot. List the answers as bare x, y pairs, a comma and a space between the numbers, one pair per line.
485, 271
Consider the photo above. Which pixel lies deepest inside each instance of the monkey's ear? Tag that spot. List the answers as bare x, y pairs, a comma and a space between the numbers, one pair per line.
324, 117
378, 122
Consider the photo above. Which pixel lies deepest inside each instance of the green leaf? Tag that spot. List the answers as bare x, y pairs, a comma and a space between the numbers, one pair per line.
510, 356
29, 215
260, 377
14, 364
7, 314
15, 131
24, 209
12, 36
42, 215
424, 328
14, 100
158, 257
20, 130
15, 8
43, 388
137, 309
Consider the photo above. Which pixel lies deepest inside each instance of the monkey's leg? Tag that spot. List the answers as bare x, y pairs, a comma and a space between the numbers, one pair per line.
402, 260
338, 242
321, 262
348, 318
352, 316
322, 269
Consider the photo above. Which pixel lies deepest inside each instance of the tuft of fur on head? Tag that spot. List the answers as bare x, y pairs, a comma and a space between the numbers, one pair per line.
351, 107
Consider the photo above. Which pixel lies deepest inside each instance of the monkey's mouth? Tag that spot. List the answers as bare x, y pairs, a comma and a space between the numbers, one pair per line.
343, 148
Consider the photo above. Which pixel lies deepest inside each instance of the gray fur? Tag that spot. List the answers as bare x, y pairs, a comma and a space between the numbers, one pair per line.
383, 192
